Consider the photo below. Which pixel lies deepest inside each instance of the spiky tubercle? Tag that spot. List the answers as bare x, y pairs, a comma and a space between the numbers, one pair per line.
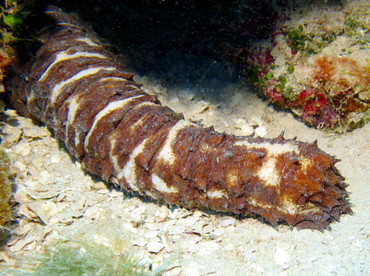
127, 137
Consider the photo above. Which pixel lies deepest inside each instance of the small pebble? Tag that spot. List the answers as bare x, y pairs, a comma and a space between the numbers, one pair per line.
227, 222
154, 247
261, 131
139, 242
281, 257
55, 158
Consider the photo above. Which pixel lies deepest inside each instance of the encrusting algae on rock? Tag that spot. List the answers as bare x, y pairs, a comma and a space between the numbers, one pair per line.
10, 21
5, 188
316, 64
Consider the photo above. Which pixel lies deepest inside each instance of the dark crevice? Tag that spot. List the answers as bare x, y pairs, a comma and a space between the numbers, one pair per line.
180, 43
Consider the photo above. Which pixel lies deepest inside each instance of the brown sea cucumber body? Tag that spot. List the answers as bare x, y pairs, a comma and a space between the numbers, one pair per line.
127, 137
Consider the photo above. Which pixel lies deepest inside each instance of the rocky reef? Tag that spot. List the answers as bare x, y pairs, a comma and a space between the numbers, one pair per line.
315, 62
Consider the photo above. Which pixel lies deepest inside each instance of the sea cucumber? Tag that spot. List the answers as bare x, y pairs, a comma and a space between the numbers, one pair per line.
120, 133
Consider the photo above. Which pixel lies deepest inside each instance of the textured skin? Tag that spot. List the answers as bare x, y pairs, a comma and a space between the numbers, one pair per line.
127, 137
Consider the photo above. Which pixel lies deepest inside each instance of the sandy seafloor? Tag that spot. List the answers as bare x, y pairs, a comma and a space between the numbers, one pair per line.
58, 201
